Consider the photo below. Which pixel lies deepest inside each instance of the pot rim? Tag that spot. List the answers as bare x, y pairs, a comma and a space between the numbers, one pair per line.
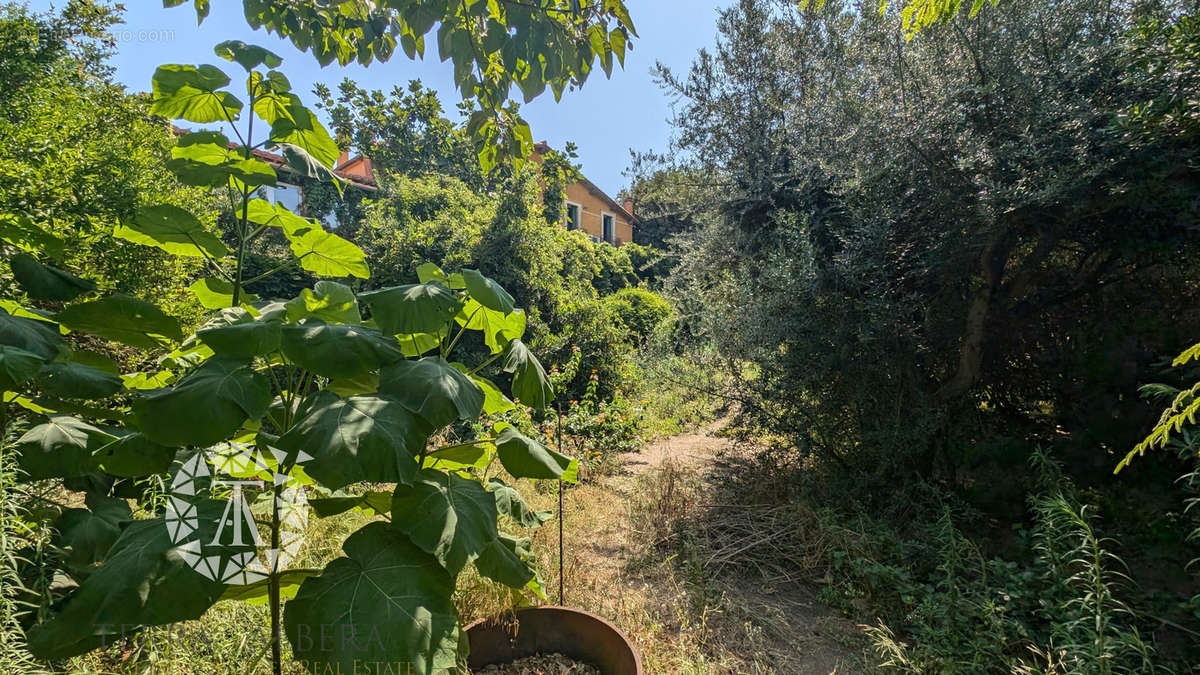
637, 655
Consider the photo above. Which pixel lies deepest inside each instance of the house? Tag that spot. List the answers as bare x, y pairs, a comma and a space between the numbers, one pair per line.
589, 209
288, 192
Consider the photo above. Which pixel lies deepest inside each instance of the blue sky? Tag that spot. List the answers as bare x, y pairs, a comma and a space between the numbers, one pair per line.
606, 118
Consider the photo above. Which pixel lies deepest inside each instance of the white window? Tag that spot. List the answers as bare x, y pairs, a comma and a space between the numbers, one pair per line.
289, 196
609, 223
573, 217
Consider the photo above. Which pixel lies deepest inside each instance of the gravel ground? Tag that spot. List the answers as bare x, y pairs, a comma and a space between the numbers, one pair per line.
542, 664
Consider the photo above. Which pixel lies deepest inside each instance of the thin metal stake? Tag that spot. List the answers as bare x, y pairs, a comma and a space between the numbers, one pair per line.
558, 422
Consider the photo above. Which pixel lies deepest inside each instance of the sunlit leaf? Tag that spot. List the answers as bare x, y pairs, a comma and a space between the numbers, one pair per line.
327, 255
298, 126
214, 293
172, 229
498, 329
328, 301
27, 236
191, 93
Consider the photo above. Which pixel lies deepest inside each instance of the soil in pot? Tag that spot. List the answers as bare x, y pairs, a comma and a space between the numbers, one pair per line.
540, 664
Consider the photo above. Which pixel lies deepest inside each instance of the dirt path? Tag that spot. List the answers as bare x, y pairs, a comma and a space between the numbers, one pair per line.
690, 450
683, 618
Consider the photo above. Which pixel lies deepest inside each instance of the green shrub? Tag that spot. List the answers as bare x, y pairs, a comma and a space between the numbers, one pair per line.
558, 275
596, 430
639, 310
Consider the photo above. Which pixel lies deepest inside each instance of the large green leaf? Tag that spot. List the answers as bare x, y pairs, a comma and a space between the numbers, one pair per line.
89, 533
144, 580
494, 400
428, 272
338, 351
94, 360
373, 503
361, 438
264, 212
124, 319
489, 293
27, 236
172, 229
206, 158
17, 366
271, 106
61, 447
303, 164
43, 282
206, 406
433, 389
132, 455
500, 561
191, 93
394, 598
298, 126
530, 384
524, 457
328, 301
216, 293
247, 56
451, 517
366, 383
327, 255
40, 338
242, 340
412, 309
498, 329
420, 344
474, 455
66, 379
510, 503
258, 593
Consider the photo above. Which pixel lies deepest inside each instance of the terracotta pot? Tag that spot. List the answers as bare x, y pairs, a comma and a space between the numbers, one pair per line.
553, 630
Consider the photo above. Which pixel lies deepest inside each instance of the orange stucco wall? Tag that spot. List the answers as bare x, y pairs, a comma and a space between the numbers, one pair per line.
591, 208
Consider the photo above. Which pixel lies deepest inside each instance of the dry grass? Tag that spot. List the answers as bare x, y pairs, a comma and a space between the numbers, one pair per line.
699, 587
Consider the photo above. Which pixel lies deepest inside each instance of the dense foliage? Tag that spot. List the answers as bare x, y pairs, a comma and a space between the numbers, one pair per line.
79, 153
494, 46
939, 254
344, 388
434, 203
